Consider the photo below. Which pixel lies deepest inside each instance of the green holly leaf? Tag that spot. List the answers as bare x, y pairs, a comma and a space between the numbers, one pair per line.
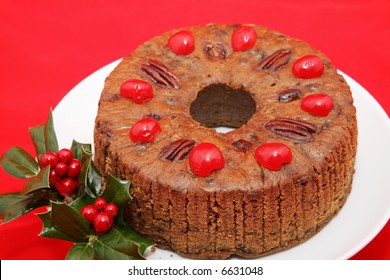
85, 159
18, 163
44, 137
81, 251
90, 179
117, 192
94, 180
78, 149
14, 205
41, 181
69, 220
50, 230
141, 241
80, 202
114, 245
37, 134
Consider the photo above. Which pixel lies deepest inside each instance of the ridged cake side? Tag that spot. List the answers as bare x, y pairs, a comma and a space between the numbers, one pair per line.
243, 209
198, 223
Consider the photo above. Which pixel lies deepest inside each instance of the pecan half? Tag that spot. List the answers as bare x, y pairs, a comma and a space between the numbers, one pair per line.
275, 61
289, 95
215, 51
160, 74
242, 145
296, 130
177, 150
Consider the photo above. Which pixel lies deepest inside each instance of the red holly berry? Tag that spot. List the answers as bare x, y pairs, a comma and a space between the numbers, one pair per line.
138, 90
205, 158
100, 203
318, 104
54, 177
243, 38
48, 158
89, 212
111, 209
273, 155
182, 42
308, 66
65, 155
145, 130
74, 168
102, 222
61, 168
66, 186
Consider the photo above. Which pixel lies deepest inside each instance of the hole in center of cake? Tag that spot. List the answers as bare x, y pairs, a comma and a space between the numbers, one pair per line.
222, 107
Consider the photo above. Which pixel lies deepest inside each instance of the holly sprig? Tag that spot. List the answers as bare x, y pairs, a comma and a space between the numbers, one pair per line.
63, 220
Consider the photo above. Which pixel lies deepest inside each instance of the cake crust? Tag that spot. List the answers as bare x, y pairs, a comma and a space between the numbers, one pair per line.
243, 209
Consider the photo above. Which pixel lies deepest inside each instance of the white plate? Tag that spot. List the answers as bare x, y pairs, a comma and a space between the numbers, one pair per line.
365, 213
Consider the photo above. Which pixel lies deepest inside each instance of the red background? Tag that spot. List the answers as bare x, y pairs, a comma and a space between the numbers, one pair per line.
47, 47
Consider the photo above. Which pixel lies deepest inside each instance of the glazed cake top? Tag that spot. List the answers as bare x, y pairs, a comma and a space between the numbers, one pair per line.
264, 75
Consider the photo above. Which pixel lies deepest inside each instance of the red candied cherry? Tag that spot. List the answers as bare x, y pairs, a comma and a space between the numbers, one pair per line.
54, 177
243, 38
100, 203
307, 67
65, 155
89, 212
138, 90
111, 209
74, 168
145, 130
205, 158
318, 104
49, 158
102, 222
273, 155
66, 186
182, 42
61, 168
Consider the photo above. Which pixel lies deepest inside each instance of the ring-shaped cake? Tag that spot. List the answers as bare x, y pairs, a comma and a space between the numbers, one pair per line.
269, 184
